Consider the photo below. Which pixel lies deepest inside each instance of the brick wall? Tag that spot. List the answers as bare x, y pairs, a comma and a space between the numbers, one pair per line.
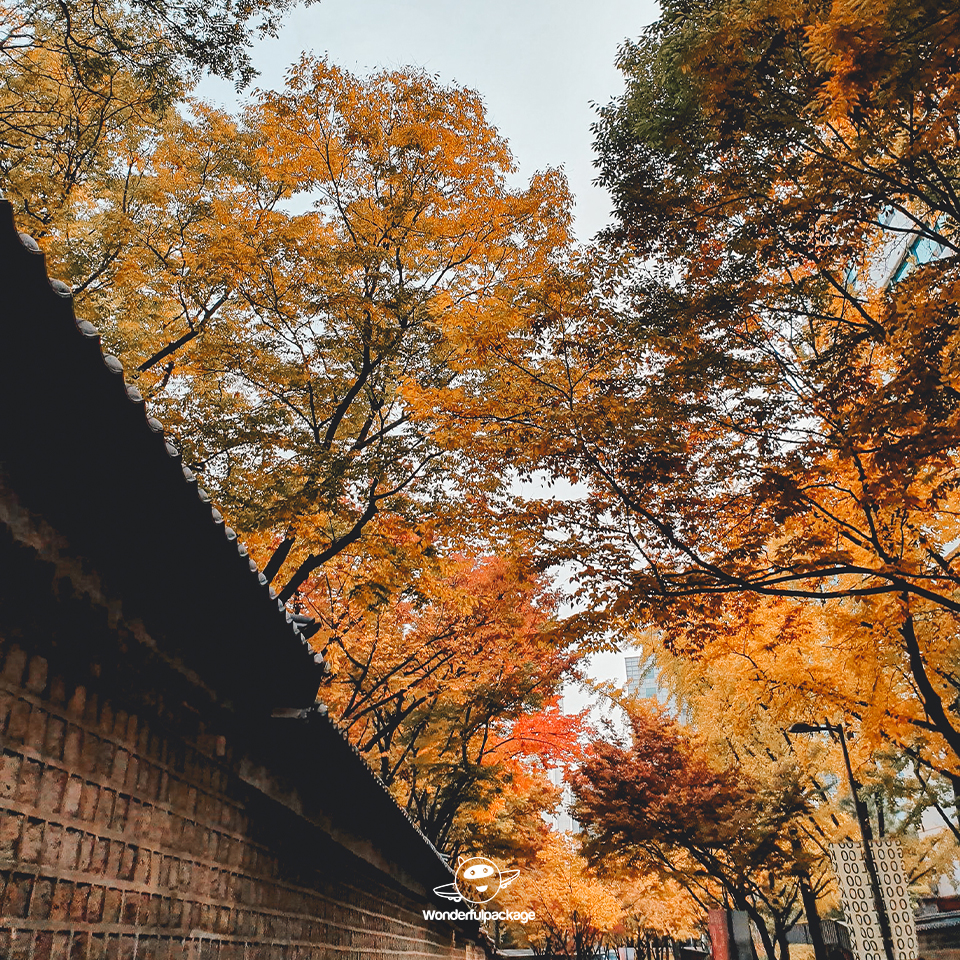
127, 826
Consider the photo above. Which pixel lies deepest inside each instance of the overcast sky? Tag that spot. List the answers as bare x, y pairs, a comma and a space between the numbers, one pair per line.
539, 65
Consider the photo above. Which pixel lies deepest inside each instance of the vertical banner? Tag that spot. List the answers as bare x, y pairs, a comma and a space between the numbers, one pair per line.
893, 886
854, 882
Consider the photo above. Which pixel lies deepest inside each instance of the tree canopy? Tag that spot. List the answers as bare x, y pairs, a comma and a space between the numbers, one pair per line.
752, 378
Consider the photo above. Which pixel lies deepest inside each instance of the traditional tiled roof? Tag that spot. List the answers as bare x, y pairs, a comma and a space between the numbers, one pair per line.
78, 448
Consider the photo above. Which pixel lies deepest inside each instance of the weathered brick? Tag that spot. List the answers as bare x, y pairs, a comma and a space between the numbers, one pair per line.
112, 901
121, 811
29, 785
95, 904
72, 744
70, 850
127, 862
88, 801
14, 664
36, 681
41, 899
60, 947
104, 761
120, 760
78, 702
98, 856
31, 841
150, 782
9, 775
105, 807
163, 787
37, 729
21, 944
16, 896
132, 773
54, 743
135, 817
90, 751
141, 869
131, 908
79, 946
10, 826
114, 858
43, 948
19, 721
78, 903
149, 911
176, 912
85, 859
71, 797
52, 844
52, 784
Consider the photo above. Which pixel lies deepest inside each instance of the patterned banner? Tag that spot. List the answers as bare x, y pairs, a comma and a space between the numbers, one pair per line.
854, 881
893, 886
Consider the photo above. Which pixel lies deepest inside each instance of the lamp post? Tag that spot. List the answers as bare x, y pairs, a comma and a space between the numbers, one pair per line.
866, 831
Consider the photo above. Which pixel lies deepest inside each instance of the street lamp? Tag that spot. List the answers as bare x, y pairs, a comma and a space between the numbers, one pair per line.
866, 830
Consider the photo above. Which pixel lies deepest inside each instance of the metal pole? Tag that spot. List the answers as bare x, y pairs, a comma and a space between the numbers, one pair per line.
866, 835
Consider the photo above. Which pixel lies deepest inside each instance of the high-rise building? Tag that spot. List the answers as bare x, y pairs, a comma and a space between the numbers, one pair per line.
643, 679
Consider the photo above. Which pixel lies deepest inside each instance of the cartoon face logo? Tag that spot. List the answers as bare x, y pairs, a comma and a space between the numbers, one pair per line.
479, 880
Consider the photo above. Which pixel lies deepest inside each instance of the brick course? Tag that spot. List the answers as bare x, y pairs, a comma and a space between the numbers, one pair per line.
128, 830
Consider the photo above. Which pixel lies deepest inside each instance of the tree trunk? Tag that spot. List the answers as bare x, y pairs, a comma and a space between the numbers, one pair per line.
782, 942
813, 918
765, 939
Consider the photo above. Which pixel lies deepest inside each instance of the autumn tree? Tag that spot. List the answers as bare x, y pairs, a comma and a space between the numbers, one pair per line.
666, 804
84, 85
291, 289
574, 908
655, 915
297, 356
758, 404
446, 678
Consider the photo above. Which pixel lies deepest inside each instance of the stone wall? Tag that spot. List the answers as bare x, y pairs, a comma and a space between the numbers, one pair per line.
130, 826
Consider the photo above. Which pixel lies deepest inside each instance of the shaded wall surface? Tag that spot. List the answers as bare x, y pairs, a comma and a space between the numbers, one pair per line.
131, 825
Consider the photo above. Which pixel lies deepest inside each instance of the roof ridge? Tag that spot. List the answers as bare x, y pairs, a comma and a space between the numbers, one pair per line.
319, 709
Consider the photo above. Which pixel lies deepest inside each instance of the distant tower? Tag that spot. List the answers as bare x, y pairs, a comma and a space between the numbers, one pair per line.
643, 680
634, 674
562, 820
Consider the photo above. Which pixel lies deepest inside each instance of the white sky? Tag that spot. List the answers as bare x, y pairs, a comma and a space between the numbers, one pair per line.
539, 64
